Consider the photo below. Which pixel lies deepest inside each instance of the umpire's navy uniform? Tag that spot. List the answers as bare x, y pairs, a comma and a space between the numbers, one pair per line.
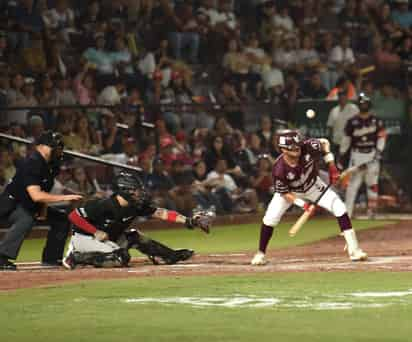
17, 206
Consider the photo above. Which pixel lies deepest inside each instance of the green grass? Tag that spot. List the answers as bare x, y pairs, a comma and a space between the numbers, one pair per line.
97, 311
229, 238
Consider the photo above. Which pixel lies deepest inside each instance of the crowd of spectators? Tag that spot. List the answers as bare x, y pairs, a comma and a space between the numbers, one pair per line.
145, 60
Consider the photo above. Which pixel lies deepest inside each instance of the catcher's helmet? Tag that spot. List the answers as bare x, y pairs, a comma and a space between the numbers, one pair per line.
364, 102
131, 188
288, 139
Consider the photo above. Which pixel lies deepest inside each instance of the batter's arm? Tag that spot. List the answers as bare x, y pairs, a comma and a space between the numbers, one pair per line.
293, 199
329, 159
381, 139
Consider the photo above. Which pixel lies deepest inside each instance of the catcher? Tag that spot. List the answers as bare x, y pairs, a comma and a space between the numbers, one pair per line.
102, 234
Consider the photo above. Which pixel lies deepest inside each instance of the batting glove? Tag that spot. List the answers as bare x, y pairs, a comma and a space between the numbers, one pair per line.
333, 174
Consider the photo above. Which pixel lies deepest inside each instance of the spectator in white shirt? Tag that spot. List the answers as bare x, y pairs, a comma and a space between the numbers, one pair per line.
338, 117
341, 58
147, 64
286, 56
256, 54
112, 95
283, 21
60, 20
273, 79
245, 199
207, 13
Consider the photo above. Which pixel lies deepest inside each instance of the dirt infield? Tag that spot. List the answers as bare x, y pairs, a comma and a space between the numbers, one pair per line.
389, 248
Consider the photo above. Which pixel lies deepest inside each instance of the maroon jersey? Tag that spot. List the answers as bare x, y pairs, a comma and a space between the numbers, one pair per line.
364, 132
301, 177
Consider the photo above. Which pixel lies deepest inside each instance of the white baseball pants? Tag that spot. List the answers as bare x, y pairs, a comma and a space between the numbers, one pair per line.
369, 176
329, 201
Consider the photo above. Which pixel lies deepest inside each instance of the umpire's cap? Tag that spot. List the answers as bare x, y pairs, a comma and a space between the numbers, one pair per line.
50, 138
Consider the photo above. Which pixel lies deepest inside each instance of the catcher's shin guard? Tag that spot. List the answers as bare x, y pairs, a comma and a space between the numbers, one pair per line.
117, 258
154, 249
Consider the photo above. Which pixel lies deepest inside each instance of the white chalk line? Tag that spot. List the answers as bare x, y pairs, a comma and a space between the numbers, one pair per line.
355, 300
384, 262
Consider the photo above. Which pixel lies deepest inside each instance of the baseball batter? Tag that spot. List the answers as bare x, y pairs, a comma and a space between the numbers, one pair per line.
365, 137
296, 181
101, 228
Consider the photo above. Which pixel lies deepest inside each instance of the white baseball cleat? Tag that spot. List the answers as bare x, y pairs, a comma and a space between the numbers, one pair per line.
259, 259
352, 246
358, 255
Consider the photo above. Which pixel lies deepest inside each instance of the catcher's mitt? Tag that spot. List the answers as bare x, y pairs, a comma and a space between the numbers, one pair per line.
201, 219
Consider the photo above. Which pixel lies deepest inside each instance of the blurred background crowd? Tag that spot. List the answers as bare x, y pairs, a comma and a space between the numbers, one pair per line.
217, 78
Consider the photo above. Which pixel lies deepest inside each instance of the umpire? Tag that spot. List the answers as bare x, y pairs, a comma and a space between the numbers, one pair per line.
26, 197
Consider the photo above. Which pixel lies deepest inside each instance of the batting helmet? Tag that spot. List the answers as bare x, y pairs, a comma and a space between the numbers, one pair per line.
288, 139
131, 188
364, 102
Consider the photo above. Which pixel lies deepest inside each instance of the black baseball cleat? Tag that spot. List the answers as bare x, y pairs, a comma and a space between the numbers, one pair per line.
6, 265
179, 255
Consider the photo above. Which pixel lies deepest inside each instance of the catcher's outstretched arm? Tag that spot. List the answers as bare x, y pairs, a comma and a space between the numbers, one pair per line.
169, 215
198, 220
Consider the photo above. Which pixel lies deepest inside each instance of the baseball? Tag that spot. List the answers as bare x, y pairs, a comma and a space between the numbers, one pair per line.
310, 113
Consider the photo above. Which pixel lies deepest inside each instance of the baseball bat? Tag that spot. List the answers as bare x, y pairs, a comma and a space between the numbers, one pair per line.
347, 172
75, 154
306, 214
350, 170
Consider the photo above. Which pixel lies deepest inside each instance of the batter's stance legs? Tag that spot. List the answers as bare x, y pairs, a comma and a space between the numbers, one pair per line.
266, 233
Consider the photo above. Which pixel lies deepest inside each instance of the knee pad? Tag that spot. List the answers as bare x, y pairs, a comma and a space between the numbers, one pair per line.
270, 223
338, 207
117, 258
132, 238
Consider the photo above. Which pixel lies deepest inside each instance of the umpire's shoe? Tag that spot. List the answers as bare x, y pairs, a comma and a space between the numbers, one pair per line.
69, 261
179, 255
6, 265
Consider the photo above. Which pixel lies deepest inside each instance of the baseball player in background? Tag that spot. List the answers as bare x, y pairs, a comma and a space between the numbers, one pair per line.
296, 181
102, 231
365, 139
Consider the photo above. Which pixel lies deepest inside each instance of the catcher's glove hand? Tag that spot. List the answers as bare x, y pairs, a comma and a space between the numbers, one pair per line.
201, 220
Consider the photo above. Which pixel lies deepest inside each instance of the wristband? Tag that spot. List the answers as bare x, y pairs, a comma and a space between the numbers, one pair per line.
329, 157
299, 202
172, 215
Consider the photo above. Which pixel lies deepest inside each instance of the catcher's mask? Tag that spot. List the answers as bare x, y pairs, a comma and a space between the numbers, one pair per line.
364, 103
289, 139
55, 141
131, 188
